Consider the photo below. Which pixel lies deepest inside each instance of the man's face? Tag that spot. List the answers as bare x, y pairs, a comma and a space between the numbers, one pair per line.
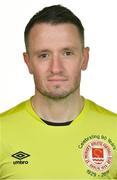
55, 59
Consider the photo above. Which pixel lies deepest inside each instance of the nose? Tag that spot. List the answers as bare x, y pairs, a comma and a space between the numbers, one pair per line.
56, 65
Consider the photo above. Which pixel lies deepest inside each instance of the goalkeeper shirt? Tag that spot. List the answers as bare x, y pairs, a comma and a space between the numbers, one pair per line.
86, 148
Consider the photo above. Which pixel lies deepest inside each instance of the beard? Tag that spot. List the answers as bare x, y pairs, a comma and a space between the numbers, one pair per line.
57, 92
57, 95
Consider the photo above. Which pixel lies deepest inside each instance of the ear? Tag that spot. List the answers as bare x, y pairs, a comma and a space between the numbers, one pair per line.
28, 62
85, 58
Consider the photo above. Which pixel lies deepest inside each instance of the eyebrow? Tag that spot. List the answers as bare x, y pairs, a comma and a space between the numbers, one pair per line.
41, 51
72, 48
62, 49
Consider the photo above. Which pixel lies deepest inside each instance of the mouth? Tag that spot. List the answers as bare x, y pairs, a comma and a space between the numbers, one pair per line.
57, 79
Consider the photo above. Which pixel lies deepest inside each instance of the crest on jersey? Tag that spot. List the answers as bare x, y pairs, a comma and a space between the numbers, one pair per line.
97, 155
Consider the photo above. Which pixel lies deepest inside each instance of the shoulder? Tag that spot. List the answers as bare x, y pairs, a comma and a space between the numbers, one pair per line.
101, 111
19, 108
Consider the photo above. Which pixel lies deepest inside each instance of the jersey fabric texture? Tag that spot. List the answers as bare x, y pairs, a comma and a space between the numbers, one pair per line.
84, 149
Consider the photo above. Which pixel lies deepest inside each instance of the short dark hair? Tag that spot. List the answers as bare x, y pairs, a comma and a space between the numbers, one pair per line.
55, 14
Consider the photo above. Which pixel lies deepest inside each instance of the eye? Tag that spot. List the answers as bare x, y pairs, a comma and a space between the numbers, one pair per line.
43, 56
68, 53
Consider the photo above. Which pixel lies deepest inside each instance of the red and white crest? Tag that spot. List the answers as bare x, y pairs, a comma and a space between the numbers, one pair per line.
98, 155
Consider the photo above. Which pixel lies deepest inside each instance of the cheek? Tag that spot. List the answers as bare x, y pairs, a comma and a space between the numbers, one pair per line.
75, 70
37, 70
39, 75
77, 76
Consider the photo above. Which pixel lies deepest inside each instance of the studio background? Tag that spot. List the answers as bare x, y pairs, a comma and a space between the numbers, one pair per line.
99, 81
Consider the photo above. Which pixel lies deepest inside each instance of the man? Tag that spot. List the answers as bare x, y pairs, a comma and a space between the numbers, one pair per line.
57, 134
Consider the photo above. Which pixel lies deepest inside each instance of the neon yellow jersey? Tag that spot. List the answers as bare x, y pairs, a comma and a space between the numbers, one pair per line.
85, 149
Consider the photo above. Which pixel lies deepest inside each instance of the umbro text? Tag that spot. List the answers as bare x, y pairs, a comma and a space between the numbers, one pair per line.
20, 162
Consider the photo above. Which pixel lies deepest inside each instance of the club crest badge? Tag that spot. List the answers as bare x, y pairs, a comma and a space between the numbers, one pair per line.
97, 155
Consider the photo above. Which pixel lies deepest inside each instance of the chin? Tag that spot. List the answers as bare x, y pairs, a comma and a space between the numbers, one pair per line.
57, 92
56, 96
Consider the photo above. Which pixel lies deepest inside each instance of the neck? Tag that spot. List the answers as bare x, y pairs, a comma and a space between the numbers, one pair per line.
62, 110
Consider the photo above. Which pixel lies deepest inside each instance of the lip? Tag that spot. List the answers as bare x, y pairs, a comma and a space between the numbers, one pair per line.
57, 80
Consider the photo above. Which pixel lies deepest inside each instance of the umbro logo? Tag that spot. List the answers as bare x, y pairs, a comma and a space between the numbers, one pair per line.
20, 155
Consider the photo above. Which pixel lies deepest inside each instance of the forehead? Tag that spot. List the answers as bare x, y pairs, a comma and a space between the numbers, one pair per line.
54, 34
